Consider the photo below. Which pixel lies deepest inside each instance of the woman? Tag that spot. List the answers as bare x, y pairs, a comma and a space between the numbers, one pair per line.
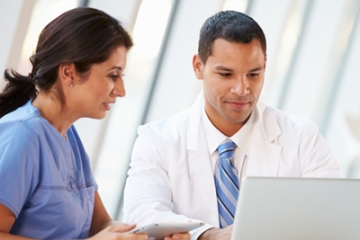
50, 192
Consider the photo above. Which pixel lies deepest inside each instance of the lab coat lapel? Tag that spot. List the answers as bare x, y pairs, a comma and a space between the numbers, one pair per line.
200, 162
264, 155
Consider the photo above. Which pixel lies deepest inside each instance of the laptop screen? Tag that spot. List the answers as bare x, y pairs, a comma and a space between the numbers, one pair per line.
297, 208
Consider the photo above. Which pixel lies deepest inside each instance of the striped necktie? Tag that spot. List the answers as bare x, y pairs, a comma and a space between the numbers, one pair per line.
226, 183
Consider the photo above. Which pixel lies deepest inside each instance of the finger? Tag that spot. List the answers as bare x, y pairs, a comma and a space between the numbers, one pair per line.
130, 236
180, 236
141, 236
121, 227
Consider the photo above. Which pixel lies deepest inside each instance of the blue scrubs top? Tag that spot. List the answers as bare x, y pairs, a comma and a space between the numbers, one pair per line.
45, 180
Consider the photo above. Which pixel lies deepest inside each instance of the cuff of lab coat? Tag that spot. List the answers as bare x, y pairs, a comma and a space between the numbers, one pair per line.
195, 234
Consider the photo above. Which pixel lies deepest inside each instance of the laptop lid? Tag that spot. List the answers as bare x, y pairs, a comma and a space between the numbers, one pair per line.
297, 208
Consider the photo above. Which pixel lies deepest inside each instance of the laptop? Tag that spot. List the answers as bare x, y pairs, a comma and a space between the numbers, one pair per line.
297, 208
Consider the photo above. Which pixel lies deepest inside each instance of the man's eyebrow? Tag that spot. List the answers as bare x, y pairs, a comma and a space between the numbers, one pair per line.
222, 68
256, 69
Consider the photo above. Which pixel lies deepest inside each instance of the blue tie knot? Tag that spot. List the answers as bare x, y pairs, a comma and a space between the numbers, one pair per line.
226, 149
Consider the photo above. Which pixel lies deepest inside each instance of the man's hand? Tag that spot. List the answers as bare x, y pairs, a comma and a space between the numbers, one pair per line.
217, 233
179, 236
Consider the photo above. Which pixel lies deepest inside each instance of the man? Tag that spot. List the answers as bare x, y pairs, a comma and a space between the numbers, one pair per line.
176, 171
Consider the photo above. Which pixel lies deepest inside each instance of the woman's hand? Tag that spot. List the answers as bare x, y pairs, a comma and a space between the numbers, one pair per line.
118, 232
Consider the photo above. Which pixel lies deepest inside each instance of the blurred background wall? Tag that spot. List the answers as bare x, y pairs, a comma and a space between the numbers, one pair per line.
313, 58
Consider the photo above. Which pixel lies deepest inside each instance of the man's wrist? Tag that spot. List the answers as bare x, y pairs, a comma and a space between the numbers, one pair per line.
216, 234
206, 235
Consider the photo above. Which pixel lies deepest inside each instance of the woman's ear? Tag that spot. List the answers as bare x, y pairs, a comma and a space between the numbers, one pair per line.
198, 66
67, 74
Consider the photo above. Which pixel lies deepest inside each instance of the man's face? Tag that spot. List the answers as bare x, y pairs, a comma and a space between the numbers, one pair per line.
233, 78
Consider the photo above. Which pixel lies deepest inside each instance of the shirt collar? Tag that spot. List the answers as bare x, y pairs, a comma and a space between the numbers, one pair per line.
214, 137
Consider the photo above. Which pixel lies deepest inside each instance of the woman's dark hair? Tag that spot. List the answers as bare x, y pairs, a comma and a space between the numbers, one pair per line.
83, 36
233, 27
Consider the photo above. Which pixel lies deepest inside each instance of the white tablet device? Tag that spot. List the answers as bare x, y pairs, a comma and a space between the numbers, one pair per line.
157, 231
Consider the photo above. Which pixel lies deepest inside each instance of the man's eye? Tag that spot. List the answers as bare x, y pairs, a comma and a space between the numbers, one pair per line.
253, 74
225, 74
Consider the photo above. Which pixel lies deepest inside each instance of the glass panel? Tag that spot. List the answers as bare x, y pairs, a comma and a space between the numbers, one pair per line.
343, 129
315, 60
238, 5
289, 40
127, 113
44, 12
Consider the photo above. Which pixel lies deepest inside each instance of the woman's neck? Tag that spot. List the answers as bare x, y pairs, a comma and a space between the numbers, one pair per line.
54, 111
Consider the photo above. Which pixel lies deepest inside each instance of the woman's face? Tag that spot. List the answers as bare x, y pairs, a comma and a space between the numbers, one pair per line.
95, 95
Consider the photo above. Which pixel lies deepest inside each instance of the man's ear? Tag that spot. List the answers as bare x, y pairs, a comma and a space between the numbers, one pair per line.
67, 74
198, 66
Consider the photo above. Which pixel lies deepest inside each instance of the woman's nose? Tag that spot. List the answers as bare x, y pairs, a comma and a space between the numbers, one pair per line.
119, 89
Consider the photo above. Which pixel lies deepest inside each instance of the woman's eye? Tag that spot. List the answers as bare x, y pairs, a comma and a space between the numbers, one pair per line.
114, 77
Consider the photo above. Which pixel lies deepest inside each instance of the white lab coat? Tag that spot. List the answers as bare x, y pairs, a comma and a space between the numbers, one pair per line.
171, 177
